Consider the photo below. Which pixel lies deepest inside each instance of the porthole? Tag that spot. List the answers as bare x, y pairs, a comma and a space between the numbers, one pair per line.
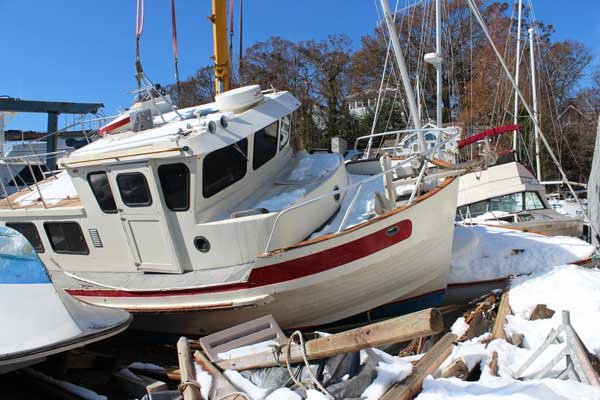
212, 127
202, 244
337, 196
223, 121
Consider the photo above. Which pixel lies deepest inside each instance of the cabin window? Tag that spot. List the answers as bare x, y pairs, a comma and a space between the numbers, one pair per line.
265, 145
429, 136
284, 131
134, 189
223, 167
30, 232
101, 188
477, 209
66, 238
533, 201
510, 203
175, 183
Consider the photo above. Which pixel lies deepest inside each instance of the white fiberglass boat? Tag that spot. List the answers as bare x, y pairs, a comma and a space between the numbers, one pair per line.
204, 221
509, 195
37, 320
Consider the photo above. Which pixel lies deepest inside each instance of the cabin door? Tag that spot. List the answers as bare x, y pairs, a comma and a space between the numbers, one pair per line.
143, 217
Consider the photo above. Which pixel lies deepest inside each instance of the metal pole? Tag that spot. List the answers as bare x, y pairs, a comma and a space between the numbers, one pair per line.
517, 62
51, 140
438, 67
410, 97
536, 115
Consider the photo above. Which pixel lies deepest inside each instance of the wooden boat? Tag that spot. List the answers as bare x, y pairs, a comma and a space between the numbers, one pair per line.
38, 320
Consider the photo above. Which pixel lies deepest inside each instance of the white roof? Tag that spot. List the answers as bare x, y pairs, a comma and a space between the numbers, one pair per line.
191, 131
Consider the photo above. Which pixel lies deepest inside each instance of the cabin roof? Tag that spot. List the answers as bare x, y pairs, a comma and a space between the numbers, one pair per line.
190, 132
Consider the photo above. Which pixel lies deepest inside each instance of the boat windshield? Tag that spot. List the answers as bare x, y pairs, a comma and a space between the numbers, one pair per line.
510, 203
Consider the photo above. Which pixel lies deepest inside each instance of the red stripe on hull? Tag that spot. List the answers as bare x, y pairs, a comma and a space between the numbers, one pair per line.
287, 270
114, 125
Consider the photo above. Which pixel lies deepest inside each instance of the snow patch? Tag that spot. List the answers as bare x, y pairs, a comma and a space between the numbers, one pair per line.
484, 253
248, 350
56, 189
243, 384
204, 379
459, 327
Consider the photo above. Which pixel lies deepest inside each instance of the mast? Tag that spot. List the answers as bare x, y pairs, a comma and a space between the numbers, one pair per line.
536, 115
221, 56
517, 62
410, 97
438, 66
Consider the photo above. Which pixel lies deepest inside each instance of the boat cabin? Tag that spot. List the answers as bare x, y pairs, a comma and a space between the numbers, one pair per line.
191, 189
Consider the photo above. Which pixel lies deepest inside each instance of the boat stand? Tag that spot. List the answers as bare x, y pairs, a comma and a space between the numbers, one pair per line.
579, 366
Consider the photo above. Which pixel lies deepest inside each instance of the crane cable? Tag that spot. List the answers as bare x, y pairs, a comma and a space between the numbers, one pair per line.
175, 46
139, 28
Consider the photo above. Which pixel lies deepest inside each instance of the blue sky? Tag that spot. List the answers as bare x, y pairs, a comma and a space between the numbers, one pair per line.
84, 50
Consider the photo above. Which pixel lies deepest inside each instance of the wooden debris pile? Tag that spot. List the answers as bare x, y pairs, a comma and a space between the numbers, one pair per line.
426, 338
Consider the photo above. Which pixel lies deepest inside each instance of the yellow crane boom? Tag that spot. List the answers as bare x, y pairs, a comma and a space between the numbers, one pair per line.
221, 56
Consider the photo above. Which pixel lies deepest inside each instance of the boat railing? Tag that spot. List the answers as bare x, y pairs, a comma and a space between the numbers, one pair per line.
400, 137
36, 158
30, 161
359, 186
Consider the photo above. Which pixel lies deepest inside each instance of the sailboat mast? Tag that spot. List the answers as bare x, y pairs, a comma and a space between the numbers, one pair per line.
438, 72
410, 96
221, 56
517, 64
536, 115
438, 67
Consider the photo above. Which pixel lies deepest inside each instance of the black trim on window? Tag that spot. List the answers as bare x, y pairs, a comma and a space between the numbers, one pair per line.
224, 167
29, 230
134, 190
175, 184
66, 238
102, 192
265, 145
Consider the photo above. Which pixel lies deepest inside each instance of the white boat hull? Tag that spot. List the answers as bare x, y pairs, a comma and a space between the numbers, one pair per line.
37, 320
403, 255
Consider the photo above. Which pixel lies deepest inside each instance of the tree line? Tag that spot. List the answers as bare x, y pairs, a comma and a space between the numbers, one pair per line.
328, 75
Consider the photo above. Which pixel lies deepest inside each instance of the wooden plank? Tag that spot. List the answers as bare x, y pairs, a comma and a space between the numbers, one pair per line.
503, 311
407, 327
431, 361
191, 390
458, 369
221, 387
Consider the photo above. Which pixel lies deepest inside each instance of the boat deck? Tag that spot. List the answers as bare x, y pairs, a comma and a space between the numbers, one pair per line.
53, 192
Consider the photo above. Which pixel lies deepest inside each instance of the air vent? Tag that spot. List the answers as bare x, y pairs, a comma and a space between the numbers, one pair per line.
96, 241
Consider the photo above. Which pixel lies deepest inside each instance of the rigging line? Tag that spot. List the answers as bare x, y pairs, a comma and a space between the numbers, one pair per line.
499, 87
175, 46
480, 20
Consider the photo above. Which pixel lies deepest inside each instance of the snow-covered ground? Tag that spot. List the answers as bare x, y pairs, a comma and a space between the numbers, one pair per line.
565, 287
482, 253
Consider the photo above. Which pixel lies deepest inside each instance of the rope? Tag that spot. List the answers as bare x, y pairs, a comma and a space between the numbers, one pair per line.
316, 382
184, 385
244, 395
